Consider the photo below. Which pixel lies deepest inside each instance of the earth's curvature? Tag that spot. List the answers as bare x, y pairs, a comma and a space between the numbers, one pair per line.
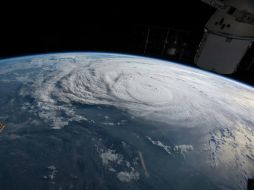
112, 121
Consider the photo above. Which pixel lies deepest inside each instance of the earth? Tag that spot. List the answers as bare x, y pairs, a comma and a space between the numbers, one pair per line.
112, 121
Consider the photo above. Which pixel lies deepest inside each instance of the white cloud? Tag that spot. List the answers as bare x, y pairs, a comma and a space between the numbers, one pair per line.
124, 176
114, 162
110, 156
181, 149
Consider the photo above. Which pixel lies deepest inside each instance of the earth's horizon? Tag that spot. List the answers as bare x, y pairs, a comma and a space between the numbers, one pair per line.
91, 120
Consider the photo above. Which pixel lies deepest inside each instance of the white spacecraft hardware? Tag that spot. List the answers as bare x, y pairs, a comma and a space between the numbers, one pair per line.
228, 35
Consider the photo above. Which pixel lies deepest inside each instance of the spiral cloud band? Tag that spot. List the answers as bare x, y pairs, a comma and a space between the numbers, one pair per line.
146, 88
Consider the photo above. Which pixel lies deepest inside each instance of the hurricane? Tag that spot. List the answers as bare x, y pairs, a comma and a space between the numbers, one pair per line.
140, 117
145, 88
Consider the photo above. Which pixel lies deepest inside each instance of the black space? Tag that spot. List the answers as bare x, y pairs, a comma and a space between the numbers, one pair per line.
121, 30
